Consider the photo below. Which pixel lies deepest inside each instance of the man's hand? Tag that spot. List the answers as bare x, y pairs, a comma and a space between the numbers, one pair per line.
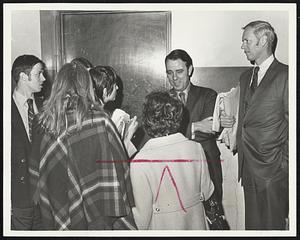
204, 125
227, 121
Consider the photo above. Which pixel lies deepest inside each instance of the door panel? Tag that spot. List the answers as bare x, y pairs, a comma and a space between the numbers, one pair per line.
133, 43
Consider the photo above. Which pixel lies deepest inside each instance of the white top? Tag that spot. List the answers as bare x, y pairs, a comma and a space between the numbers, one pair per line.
263, 67
21, 103
179, 186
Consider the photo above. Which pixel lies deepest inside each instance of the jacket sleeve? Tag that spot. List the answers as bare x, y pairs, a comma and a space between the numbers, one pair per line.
208, 111
142, 196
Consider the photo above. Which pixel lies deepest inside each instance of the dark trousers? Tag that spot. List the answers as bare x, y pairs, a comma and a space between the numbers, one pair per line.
267, 208
26, 218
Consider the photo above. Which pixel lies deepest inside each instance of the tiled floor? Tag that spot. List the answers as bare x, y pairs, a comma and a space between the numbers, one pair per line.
233, 195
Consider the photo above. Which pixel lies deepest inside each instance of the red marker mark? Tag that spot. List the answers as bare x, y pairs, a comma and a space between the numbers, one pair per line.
174, 184
152, 161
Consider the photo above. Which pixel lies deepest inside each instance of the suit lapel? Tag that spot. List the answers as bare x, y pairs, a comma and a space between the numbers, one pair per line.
17, 121
262, 87
192, 97
244, 87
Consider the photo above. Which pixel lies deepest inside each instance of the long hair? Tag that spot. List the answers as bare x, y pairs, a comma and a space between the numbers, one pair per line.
71, 90
103, 77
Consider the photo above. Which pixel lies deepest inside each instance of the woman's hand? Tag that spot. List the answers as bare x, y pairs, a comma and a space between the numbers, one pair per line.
131, 129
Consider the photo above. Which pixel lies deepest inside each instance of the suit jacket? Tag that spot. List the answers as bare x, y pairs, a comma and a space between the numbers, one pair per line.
262, 135
200, 105
20, 152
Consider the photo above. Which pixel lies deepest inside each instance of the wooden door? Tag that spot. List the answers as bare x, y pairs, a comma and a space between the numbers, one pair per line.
133, 43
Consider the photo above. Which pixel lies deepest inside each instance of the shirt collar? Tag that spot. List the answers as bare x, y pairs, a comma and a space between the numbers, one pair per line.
163, 141
20, 98
186, 90
263, 67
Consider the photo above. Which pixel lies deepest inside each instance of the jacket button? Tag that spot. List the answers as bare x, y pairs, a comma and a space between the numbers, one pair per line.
22, 179
22, 160
157, 209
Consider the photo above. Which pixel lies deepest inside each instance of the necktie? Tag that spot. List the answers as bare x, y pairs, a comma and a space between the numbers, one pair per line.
182, 97
253, 85
30, 116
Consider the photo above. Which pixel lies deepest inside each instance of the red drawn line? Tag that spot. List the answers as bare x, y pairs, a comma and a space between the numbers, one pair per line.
152, 161
174, 184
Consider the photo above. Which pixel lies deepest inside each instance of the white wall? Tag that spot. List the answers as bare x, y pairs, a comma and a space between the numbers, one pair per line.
213, 38
25, 33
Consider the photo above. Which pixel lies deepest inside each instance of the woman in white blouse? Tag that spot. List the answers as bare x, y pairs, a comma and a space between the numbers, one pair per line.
169, 175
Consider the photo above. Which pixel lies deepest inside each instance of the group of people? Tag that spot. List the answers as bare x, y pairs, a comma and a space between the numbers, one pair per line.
74, 166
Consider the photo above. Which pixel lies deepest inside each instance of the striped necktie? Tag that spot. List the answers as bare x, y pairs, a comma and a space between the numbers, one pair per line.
30, 116
182, 97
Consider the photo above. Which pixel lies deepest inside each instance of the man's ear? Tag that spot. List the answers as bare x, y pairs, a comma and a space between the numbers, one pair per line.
191, 70
263, 40
23, 76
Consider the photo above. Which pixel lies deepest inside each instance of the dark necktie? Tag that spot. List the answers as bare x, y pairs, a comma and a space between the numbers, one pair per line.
30, 116
182, 97
253, 85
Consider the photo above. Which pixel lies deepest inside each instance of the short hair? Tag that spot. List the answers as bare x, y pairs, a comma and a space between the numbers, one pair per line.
103, 77
24, 63
264, 28
162, 114
180, 54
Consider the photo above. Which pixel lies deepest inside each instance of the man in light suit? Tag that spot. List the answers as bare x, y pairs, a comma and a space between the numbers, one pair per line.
27, 72
262, 136
199, 107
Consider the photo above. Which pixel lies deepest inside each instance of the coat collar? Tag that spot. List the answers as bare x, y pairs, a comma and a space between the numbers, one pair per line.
164, 141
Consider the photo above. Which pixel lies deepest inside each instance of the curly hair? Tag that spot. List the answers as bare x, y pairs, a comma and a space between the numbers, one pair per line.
162, 114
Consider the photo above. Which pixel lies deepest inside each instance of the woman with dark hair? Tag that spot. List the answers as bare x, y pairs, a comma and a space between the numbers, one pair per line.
105, 85
173, 201
77, 183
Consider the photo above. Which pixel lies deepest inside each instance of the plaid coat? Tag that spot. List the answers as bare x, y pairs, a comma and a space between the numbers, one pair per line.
77, 182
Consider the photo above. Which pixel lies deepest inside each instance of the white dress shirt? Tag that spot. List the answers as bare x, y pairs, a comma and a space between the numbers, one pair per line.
21, 103
263, 67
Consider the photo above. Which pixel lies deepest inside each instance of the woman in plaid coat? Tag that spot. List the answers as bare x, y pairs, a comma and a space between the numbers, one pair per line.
80, 174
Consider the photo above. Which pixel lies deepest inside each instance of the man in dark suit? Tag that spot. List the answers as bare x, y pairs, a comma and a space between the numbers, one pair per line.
27, 72
262, 136
199, 106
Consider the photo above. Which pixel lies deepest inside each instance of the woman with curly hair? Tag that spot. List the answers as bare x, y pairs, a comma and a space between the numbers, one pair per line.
75, 177
169, 175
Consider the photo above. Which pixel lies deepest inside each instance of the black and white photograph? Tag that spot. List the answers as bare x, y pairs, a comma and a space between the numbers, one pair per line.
149, 119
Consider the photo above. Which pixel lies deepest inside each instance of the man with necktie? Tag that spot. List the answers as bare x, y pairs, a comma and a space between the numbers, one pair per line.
262, 135
199, 106
27, 72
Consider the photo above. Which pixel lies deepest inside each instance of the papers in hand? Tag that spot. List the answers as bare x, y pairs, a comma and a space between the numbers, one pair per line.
121, 120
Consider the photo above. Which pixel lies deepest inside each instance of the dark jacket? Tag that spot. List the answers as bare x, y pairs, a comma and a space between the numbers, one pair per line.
200, 105
262, 135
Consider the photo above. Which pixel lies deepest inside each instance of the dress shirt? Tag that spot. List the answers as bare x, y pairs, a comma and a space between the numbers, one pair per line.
21, 103
263, 67
186, 92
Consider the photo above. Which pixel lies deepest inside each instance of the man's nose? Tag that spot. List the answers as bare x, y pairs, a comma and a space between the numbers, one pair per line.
42, 78
175, 76
243, 46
